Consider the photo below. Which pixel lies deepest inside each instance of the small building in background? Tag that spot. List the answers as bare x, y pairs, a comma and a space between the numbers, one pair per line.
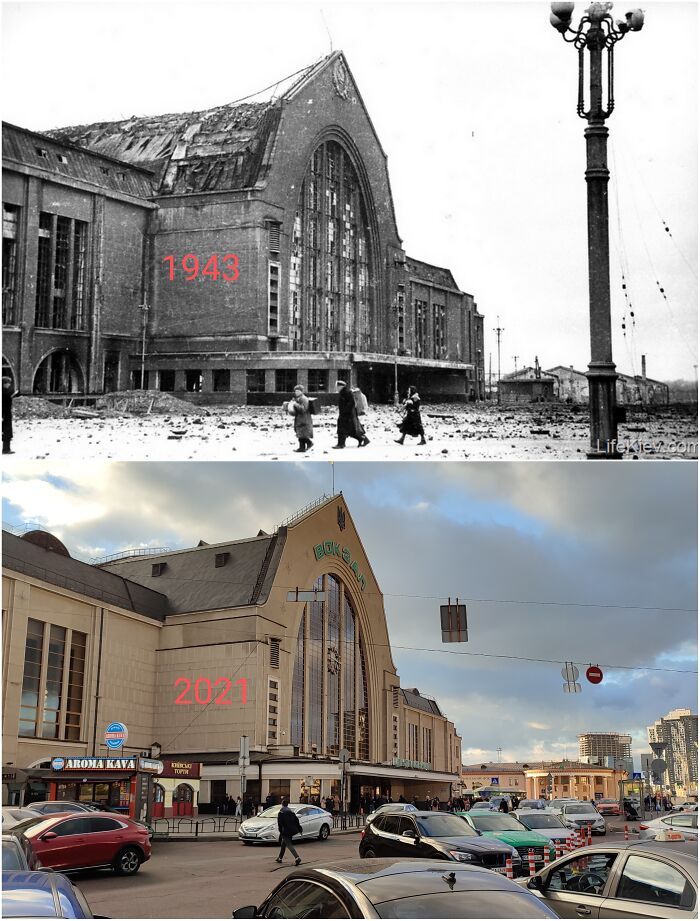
529, 385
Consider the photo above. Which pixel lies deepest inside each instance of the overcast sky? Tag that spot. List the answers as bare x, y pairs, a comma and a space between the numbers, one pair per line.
499, 532
475, 105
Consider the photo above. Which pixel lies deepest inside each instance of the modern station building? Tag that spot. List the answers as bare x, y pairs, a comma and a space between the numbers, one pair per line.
231, 253
193, 649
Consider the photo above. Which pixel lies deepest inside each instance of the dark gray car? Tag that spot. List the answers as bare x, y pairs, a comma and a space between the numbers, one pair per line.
396, 889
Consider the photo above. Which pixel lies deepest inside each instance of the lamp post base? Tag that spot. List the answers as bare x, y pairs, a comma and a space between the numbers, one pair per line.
602, 398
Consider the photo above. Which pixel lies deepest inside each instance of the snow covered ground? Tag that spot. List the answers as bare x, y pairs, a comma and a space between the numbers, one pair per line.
264, 433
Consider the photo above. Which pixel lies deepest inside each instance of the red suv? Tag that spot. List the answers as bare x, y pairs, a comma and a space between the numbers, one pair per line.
607, 806
80, 840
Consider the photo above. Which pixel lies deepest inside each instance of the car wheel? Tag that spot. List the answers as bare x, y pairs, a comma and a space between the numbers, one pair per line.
127, 861
369, 853
324, 832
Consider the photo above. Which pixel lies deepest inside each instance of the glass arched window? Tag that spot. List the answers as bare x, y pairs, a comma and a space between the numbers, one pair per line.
331, 276
330, 654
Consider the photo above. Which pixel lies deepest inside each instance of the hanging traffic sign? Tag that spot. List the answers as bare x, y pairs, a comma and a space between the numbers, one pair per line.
569, 672
116, 735
572, 688
594, 674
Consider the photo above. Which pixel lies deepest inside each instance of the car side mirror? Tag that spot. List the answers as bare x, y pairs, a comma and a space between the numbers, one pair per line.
409, 833
536, 882
48, 836
248, 911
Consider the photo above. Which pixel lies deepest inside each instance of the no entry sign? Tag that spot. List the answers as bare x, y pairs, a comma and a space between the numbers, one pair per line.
594, 674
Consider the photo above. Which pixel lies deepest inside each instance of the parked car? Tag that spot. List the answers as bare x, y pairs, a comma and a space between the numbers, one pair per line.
13, 815
74, 842
37, 894
684, 822
391, 807
582, 815
13, 857
607, 806
532, 804
482, 804
396, 889
51, 806
645, 879
262, 829
510, 831
434, 836
545, 822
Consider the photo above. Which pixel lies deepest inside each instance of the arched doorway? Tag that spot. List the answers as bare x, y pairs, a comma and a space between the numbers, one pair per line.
183, 798
59, 372
158, 806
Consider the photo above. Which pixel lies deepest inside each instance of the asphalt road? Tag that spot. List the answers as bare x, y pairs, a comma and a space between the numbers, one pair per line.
207, 879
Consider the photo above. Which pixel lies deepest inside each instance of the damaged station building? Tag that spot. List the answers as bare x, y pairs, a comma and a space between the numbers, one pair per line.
195, 648
229, 253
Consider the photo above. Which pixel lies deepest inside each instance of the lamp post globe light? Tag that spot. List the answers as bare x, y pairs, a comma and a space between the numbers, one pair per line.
597, 33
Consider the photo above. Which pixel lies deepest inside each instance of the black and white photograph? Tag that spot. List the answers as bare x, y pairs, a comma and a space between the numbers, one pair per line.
217, 217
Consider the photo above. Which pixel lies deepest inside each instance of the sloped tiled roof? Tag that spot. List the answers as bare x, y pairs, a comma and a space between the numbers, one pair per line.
431, 274
415, 699
225, 148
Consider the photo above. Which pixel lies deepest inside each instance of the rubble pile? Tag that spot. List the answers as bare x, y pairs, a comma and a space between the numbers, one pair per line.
36, 408
145, 402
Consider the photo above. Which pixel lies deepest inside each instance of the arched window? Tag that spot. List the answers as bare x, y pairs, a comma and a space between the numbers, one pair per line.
330, 650
331, 275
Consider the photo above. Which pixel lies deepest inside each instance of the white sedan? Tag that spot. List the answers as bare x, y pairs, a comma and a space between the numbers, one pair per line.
582, 815
262, 829
13, 815
685, 822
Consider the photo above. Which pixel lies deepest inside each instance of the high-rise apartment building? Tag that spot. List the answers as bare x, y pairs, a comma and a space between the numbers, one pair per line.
678, 730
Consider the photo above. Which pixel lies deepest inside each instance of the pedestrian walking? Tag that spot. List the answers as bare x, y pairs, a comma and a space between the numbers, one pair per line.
289, 825
436, 805
239, 807
7, 397
411, 424
349, 425
301, 408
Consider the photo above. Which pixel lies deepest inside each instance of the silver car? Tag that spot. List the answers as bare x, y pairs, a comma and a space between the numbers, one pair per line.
262, 829
684, 822
645, 879
13, 815
390, 807
582, 815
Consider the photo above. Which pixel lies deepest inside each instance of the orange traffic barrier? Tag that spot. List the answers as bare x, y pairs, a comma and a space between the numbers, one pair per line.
531, 861
509, 868
627, 833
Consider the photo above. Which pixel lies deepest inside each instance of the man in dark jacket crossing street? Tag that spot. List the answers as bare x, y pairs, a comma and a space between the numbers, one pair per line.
289, 825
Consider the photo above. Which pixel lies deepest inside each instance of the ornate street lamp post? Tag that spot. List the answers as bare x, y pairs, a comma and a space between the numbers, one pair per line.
599, 34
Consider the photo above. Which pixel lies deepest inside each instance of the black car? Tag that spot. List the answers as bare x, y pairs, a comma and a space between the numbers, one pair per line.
396, 889
434, 836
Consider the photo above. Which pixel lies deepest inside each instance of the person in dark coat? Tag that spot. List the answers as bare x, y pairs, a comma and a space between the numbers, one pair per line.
349, 425
289, 825
7, 398
412, 424
303, 423
503, 807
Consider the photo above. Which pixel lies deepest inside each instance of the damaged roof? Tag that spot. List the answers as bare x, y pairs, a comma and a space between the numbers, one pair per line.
225, 148
431, 274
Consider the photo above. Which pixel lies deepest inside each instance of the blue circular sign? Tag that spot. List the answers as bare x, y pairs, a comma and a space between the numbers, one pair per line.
116, 735
57, 764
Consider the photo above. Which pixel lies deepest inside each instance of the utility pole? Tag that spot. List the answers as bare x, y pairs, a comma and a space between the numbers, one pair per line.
490, 383
515, 361
144, 308
498, 330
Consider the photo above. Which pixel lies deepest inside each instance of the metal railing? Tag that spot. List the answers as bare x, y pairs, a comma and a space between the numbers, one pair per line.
124, 554
208, 824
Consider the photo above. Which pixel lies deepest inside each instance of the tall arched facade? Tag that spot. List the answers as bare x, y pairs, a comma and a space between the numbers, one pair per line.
330, 693
331, 272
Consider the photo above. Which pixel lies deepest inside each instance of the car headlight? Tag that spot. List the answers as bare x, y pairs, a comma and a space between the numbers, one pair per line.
514, 854
462, 856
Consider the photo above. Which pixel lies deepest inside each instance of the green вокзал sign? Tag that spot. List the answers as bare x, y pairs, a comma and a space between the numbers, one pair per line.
333, 548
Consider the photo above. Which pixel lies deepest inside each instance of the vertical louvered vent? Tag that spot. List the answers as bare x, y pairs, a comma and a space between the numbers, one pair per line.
274, 652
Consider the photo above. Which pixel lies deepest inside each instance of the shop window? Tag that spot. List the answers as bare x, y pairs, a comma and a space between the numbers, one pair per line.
166, 381
10, 223
193, 380
222, 380
318, 380
285, 380
279, 789
255, 380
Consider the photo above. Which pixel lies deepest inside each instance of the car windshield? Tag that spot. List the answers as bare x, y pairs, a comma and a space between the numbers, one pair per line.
469, 904
11, 856
497, 823
445, 826
579, 809
541, 820
269, 813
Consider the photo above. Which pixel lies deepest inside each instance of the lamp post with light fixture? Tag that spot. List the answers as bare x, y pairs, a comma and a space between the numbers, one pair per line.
598, 34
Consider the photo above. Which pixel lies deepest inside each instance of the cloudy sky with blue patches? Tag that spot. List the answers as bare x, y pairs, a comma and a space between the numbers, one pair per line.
555, 561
